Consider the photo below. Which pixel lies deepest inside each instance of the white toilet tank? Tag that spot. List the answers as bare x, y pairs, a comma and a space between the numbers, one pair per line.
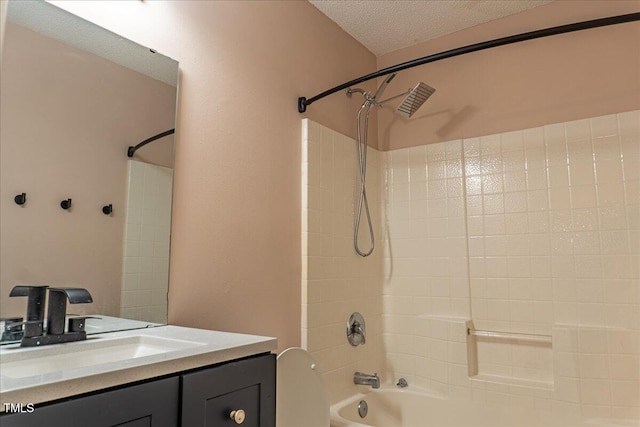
301, 395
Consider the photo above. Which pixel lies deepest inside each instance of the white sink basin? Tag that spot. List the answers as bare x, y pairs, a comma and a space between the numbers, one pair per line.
43, 374
95, 351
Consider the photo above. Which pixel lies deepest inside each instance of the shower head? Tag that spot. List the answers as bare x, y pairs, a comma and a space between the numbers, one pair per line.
414, 99
382, 87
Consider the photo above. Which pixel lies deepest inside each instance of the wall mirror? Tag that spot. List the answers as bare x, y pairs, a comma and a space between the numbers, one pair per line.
74, 97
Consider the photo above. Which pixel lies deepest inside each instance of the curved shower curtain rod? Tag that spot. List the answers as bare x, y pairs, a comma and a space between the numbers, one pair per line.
131, 150
568, 28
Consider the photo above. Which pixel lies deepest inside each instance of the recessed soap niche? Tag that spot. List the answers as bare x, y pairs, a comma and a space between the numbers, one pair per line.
511, 358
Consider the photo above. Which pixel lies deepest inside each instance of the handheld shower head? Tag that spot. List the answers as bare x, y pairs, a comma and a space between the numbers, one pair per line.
382, 87
367, 95
414, 99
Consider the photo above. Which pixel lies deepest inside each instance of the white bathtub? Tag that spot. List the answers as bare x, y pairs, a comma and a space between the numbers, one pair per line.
391, 407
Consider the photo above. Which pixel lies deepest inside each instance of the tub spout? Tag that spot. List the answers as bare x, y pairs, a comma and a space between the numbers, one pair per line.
364, 379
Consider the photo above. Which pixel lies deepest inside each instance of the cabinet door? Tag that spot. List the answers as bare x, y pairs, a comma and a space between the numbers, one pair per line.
154, 404
209, 396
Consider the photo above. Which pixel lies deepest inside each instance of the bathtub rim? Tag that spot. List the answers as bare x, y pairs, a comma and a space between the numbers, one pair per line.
336, 420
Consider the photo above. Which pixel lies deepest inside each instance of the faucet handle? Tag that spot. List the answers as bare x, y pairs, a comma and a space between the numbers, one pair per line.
8, 321
11, 328
356, 334
10, 325
356, 329
78, 323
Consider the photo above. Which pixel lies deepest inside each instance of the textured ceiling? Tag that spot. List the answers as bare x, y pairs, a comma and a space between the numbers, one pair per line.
387, 25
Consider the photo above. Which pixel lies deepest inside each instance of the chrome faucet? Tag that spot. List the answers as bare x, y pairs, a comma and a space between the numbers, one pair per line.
364, 379
356, 330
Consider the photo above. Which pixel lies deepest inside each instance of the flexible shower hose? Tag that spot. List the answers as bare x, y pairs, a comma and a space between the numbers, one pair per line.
362, 136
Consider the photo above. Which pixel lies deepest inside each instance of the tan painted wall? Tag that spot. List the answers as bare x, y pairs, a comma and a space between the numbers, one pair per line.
235, 247
567, 77
235, 255
67, 120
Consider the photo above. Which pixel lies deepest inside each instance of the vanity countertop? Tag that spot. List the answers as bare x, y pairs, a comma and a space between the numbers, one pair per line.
99, 324
194, 348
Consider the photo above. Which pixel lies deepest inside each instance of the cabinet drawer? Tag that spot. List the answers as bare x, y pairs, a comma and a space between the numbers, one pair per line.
154, 404
209, 396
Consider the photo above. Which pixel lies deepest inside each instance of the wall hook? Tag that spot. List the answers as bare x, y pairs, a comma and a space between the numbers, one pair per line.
107, 209
65, 204
20, 199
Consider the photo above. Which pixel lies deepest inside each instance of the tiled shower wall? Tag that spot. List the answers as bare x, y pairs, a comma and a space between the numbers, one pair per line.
552, 245
534, 231
147, 234
553, 225
426, 284
335, 280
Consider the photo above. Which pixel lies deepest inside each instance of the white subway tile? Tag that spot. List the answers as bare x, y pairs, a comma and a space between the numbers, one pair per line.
583, 243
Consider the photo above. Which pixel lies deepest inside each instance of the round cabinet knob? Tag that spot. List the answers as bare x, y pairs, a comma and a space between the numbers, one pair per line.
237, 416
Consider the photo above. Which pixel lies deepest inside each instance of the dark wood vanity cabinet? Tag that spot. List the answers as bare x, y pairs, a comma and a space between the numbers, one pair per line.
152, 404
202, 398
210, 396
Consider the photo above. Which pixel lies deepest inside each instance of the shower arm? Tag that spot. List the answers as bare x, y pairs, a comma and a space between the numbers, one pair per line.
303, 102
367, 96
131, 150
349, 91
381, 103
